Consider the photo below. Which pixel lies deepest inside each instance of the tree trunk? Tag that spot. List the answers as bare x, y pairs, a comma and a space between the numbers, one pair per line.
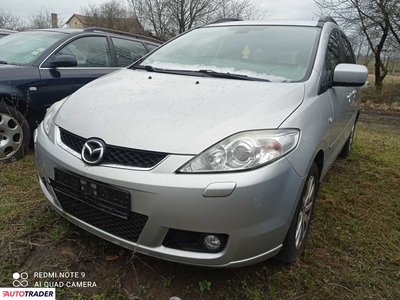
378, 78
394, 66
367, 59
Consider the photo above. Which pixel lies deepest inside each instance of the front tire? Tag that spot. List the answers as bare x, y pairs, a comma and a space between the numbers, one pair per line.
15, 134
295, 240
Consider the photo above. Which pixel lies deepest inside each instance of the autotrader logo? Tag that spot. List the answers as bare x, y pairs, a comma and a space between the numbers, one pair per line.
93, 152
20, 279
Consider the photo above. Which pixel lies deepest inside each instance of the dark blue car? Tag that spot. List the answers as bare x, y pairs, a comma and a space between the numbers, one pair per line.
5, 32
40, 67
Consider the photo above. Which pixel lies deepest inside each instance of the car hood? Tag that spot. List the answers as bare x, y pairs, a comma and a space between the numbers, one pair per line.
175, 113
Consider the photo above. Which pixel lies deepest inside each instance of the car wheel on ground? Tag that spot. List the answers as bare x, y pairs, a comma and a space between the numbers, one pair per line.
14, 134
296, 237
349, 143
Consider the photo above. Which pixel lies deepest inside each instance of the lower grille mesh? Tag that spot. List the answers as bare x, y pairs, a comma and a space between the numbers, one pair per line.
128, 229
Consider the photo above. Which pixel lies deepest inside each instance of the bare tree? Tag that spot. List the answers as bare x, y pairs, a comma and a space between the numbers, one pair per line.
167, 18
394, 17
190, 13
10, 21
112, 14
240, 9
155, 15
371, 17
43, 19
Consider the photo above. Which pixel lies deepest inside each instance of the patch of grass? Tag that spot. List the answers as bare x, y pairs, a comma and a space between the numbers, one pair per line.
24, 214
204, 285
353, 251
144, 288
388, 95
357, 228
168, 282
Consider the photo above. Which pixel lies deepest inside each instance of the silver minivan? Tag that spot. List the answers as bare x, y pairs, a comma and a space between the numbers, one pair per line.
208, 151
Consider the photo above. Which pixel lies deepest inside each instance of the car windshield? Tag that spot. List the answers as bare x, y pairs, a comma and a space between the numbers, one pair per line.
24, 47
275, 53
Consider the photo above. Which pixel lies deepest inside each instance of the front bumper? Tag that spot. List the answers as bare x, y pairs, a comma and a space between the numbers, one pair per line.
255, 216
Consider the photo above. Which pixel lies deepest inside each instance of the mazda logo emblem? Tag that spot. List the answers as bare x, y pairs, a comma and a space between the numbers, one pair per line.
93, 152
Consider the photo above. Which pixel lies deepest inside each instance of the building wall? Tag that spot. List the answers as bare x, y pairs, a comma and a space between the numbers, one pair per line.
75, 23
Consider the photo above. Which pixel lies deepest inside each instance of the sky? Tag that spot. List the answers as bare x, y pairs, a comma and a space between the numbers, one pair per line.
276, 9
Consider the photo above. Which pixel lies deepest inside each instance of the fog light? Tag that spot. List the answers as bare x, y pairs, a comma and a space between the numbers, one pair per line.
211, 242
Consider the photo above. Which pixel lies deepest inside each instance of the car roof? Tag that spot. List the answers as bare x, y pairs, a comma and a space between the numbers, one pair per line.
106, 31
7, 30
322, 21
62, 30
266, 22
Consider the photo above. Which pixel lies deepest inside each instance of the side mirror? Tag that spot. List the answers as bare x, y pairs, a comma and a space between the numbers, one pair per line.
350, 75
63, 61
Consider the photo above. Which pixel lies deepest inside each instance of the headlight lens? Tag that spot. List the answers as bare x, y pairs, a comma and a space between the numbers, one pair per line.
48, 118
245, 150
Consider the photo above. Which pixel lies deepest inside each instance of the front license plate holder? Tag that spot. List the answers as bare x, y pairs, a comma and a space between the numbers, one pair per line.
99, 195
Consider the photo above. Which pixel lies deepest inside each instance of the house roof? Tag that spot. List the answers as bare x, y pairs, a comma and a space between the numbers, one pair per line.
125, 24
81, 18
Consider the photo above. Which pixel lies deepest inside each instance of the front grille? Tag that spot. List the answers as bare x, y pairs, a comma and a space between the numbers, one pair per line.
128, 229
116, 155
72, 141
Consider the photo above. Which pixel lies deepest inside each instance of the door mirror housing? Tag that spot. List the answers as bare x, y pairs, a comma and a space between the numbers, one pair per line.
63, 61
350, 75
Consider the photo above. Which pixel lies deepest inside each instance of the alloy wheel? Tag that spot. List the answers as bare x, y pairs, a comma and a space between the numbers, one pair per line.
11, 136
305, 212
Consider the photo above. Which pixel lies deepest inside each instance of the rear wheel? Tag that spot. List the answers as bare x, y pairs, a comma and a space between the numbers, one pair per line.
295, 240
349, 143
14, 134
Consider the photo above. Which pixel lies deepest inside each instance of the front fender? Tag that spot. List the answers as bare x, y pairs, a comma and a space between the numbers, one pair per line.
312, 118
9, 94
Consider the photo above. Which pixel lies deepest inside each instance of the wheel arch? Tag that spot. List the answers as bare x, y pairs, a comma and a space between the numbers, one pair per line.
15, 98
319, 161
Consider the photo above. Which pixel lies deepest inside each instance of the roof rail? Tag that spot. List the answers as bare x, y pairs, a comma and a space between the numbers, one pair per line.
224, 20
325, 19
138, 36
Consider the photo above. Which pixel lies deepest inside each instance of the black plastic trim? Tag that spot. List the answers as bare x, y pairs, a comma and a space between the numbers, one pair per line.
138, 36
224, 20
324, 20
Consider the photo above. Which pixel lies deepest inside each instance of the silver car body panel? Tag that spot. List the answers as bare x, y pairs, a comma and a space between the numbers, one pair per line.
267, 22
176, 200
167, 103
173, 114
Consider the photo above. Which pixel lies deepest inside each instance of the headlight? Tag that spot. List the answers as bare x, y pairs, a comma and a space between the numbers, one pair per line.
245, 150
48, 118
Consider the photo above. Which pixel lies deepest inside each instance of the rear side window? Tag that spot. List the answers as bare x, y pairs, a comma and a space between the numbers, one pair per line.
347, 51
128, 51
89, 51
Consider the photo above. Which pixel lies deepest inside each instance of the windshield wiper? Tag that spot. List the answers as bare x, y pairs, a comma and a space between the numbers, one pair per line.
211, 73
231, 76
148, 68
3, 62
